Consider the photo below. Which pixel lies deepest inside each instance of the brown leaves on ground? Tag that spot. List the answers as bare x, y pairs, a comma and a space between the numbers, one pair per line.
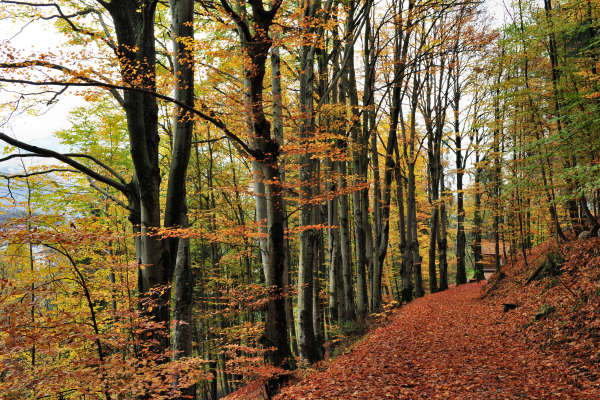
566, 303
449, 345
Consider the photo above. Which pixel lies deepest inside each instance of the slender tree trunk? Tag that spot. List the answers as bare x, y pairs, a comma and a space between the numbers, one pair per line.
359, 165
345, 229
407, 285
401, 47
333, 205
335, 283
307, 344
434, 222
477, 220
182, 12
413, 243
461, 274
345, 246
443, 235
318, 310
369, 140
278, 135
359, 223
411, 200
497, 131
334, 249
383, 215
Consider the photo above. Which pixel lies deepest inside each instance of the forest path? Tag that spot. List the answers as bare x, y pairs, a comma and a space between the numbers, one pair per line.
448, 345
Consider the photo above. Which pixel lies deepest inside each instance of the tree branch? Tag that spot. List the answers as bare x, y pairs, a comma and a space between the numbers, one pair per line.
207, 115
108, 195
80, 155
61, 157
238, 20
27, 175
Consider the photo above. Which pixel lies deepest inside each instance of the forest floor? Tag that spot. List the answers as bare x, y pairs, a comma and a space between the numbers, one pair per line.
461, 344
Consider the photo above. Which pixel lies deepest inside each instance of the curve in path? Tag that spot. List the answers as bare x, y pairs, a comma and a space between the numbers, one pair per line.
448, 345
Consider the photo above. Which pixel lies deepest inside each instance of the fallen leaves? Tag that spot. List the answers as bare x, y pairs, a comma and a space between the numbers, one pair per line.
449, 345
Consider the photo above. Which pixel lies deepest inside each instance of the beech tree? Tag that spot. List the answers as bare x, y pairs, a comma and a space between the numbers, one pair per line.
287, 171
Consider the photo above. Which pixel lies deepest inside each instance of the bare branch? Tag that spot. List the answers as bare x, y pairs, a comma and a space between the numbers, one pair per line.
108, 195
27, 175
67, 160
207, 115
75, 155
247, 36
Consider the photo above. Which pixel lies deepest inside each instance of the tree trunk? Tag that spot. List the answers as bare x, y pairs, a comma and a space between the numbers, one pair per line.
497, 179
461, 273
443, 235
182, 12
307, 344
477, 220
134, 28
407, 285
391, 169
266, 151
345, 246
278, 134
318, 310
358, 166
414, 259
357, 199
369, 137
334, 249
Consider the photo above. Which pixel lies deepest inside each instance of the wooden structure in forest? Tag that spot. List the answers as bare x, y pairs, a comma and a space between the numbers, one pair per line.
488, 255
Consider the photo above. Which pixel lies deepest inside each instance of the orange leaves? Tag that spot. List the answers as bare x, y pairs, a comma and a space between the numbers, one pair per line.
52, 339
447, 345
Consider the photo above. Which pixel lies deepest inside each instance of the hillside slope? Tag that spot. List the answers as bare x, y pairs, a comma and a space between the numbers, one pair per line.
464, 344
559, 292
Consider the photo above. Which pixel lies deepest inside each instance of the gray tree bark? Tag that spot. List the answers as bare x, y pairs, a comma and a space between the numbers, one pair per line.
461, 275
443, 234
307, 345
391, 168
134, 28
345, 229
278, 134
182, 14
414, 259
405, 272
359, 168
265, 150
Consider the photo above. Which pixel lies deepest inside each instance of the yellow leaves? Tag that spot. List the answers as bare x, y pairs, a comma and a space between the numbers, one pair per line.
187, 41
308, 228
592, 96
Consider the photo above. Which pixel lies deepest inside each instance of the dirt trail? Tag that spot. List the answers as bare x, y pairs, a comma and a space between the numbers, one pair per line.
449, 345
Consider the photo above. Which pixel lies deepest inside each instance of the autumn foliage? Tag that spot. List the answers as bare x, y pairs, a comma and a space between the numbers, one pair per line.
244, 188
457, 345
560, 307
71, 323
464, 343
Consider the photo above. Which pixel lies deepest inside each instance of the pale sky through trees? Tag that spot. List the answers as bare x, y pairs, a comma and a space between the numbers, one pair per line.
39, 129
250, 199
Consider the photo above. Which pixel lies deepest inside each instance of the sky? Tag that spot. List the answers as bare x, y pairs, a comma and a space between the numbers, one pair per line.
38, 37
39, 129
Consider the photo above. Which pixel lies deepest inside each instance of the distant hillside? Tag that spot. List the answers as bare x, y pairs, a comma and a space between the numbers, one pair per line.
11, 213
